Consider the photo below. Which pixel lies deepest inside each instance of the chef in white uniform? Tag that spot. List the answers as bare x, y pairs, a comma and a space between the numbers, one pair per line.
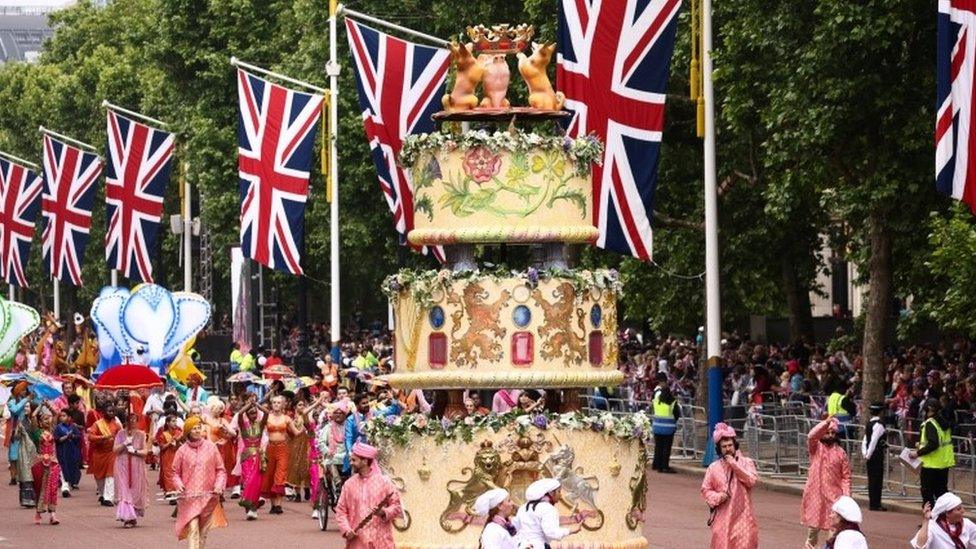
538, 519
497, 508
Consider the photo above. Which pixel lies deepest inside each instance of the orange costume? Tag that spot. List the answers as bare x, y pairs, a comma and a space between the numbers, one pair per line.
276, 470
225, 437
165, 439
101, 437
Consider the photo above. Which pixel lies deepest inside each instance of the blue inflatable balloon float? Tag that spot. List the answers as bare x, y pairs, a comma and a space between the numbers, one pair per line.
147, 325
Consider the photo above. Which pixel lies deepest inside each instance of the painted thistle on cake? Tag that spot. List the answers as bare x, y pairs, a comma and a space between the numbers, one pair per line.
404, 429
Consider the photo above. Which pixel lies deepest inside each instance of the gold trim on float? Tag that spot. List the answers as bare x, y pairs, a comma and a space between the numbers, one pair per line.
572, 233
503, 380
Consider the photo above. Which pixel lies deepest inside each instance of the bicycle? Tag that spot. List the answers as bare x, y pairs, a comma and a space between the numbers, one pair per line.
330, 484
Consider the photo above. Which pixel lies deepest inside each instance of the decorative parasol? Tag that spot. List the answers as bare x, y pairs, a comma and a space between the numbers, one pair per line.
278, 371
293, 384
128, 376
243, 377
43, 386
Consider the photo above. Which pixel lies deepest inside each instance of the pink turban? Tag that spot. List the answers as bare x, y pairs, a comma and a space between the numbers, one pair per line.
342, 405
722, 430
366, 451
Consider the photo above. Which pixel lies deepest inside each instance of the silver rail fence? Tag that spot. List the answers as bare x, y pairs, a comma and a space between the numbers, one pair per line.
774, 435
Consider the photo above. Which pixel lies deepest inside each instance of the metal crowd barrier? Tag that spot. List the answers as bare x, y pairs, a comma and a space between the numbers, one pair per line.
774, 435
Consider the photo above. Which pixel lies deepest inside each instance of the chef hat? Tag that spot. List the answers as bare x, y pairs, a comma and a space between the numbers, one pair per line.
489, 500
540, 488
847, 508
946, 502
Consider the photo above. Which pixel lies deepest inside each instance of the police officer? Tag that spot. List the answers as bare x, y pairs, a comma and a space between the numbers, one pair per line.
840, 406
663, 426
935, 451
874, 447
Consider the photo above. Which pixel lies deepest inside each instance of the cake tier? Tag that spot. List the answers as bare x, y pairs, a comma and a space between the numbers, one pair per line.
481, 330
517, 188
440, 475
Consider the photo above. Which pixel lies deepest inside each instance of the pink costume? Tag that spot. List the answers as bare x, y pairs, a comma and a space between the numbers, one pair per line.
249, 464
735, 525
130, 478
505, 400
360, 495
198, 471
828, 479
46, 474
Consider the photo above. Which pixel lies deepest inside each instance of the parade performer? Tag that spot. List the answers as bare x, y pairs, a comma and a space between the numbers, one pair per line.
874, 447
198, 470
846, 519
828, 479
497, 508
538, 518
45, 472
279, 426
168, 441
727, 489
298, 462
251, 424
354, 428
368, 504
945, 526
130, 472
101, 439
21, 448
223, 433
67, 439
192, 392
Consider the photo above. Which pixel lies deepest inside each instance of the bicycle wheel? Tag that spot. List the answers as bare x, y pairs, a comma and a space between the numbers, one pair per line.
322, 504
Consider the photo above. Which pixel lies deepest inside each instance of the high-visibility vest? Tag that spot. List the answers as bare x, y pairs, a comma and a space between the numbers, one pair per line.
663, 421
943, 457
834, 409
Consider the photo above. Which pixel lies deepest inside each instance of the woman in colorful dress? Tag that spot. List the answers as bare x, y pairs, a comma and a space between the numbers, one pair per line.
223, 433
250, 421
45, 471
279, 427
21, 450
168, 440
67, 439
130, 472
298, 445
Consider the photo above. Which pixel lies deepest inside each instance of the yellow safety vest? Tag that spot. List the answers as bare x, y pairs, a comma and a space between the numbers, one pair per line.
943, 457
834, 408
663, 422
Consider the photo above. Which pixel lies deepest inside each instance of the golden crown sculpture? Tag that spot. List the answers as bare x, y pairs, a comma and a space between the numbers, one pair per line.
502, 38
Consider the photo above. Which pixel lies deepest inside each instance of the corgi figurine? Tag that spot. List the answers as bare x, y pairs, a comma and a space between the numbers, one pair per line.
533, 71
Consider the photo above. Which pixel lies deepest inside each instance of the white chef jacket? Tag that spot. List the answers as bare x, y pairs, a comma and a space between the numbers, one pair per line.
939, 539
540, 525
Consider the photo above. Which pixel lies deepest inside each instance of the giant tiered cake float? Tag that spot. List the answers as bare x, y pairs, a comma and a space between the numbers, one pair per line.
493, 178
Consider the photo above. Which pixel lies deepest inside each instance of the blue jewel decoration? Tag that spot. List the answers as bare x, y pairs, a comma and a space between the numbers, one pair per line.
436, 317
596, 316
521, 316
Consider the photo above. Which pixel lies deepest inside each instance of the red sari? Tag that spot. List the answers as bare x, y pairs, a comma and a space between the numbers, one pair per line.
167, 437
46, 474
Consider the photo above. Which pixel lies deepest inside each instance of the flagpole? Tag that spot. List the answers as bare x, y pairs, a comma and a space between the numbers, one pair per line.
125, 111
392, 26
713, 315
27, 163
115, 278
57, 299
187, 230
67, 139
332, 69
11, 295
254, 68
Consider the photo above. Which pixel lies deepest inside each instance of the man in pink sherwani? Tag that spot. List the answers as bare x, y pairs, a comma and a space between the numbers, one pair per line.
829, 478
200, 478
368, 493
727, 489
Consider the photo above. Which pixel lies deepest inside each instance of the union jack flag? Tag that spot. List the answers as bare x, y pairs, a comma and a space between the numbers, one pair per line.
613, 63
400, 86
136, 174
20, 198
69, 194
955, 137
275, 136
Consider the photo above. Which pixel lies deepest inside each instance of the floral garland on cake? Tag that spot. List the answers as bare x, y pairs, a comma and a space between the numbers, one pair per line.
582, 151
421, 284
403, 429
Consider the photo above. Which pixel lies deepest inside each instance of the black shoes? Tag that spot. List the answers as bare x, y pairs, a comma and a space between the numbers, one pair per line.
276, 510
